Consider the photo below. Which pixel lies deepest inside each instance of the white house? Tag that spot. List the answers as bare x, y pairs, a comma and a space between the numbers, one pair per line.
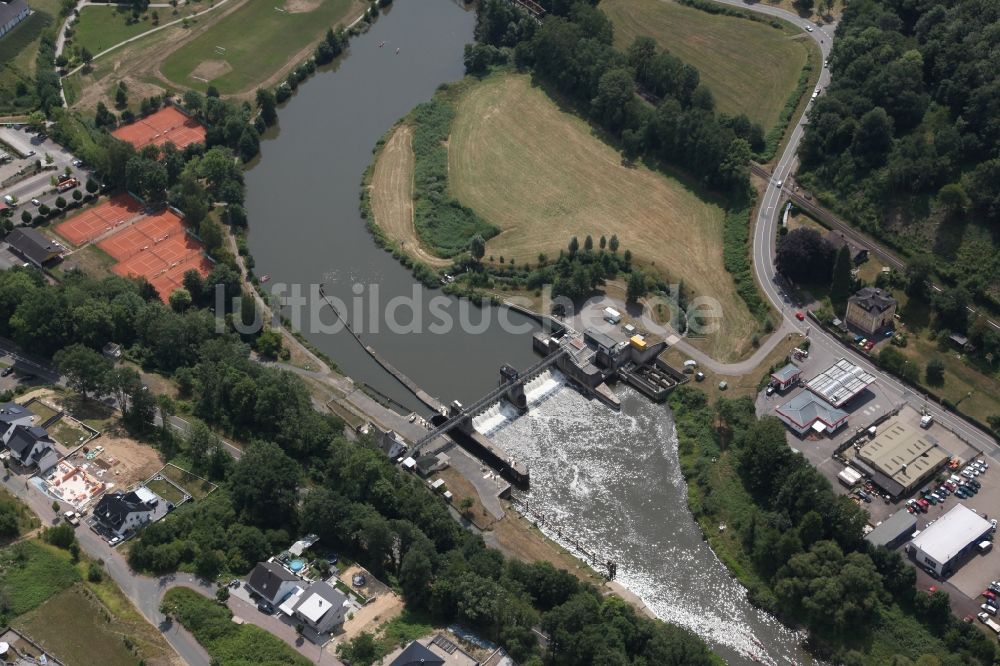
31, 446
322, 607
123, 513
12, 12
272, 581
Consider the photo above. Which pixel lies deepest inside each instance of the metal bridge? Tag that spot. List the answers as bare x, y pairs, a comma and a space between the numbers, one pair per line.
488, 399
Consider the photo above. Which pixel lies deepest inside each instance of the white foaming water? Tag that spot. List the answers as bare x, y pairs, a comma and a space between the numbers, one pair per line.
613, 481
501, 413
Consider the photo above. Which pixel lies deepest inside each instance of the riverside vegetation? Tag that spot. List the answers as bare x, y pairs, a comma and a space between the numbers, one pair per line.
797, 545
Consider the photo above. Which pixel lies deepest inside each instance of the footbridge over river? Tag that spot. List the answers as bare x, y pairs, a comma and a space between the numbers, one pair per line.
511, 388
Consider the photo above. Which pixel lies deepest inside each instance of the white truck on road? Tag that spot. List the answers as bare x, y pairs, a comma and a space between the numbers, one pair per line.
988, 621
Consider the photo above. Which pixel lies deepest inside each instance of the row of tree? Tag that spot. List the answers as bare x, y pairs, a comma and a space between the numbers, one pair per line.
673, 118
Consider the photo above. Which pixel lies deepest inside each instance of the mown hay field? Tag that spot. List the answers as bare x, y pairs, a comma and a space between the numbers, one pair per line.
749, 66
541, 176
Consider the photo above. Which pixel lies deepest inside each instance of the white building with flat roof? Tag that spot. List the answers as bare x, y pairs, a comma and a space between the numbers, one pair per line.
943, 546
840, 382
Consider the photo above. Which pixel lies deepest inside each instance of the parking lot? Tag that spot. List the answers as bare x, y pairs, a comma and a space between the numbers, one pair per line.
875, 405
17, 177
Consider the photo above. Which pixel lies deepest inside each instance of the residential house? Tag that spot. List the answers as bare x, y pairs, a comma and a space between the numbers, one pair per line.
837, 240
272, 582
441, 651
870, 310
417, 654
321, 607
13, 414
33, 246
392, 444
123, 513
31, 446
12, 13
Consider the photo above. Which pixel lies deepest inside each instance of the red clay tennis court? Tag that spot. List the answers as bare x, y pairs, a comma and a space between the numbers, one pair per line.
98, 220
158, 249
161, 226
143, 235
167, 124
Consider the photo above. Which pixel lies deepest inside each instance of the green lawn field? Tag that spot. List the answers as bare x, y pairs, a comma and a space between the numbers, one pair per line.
544, 181
750, 67
71, 626
104, 26
258, 40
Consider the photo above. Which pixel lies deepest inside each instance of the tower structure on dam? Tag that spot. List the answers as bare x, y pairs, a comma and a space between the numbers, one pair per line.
515, 394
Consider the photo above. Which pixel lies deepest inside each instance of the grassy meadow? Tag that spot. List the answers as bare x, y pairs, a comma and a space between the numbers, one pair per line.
749, 66
544, 181
102, 26
259, 40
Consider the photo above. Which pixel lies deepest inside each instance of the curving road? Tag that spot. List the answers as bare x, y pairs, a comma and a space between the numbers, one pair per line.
765, 238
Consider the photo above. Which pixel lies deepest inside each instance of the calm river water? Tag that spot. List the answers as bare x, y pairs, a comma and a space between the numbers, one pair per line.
610, 478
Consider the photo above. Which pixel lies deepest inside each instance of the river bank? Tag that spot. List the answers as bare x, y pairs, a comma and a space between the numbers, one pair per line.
313, 234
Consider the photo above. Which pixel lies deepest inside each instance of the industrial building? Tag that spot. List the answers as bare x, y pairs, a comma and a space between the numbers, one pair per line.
894, 531
841, 382
806, 412
901, 458
942, 547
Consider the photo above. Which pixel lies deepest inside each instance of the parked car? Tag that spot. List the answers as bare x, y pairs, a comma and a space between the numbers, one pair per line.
858, 338
265, 607
113, 541
7, 371
990, 594
989, 609
36, 202
869, 345
800, 315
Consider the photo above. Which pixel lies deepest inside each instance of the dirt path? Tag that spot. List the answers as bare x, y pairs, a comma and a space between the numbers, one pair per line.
392, 196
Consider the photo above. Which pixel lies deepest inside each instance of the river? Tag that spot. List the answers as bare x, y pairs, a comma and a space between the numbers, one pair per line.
306, 228
611, 478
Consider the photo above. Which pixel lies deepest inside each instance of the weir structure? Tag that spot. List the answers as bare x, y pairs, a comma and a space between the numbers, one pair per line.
587, 361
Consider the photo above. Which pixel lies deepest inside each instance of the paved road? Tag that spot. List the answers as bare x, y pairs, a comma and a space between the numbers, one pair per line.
143, 591
28, 363
765, 235
38, 185
858, 238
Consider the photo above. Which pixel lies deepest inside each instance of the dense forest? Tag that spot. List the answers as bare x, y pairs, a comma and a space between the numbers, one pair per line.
906, 140
673, 116
799, 547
